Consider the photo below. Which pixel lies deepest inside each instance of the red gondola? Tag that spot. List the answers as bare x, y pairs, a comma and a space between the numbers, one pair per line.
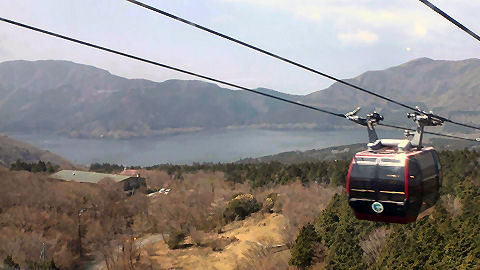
394, 180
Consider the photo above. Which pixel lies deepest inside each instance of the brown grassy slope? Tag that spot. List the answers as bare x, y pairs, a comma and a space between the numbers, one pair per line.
255, 239
252, 234
11, 150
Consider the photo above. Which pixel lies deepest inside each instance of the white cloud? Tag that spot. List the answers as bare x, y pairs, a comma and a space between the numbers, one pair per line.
399, 17
357, 38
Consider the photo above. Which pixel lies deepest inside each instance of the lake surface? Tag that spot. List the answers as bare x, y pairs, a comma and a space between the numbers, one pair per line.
222, 146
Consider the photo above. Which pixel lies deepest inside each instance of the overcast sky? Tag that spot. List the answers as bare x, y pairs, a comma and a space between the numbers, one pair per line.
343, 38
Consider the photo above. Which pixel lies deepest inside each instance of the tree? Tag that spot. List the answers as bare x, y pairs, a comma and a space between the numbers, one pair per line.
240, 207
175, 239
304, 249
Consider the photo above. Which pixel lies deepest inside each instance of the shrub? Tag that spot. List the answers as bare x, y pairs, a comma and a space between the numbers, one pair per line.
220, 243
175, 239
9, 263
106, 168
270, 202
40, 166
240, 207
47, 265
197, 236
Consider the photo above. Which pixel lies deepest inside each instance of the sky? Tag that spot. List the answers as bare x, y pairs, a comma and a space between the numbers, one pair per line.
343, 38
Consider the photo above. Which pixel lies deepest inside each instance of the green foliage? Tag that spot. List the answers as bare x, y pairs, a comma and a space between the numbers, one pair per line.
9, 264
40, 166
175, 239
340, 231
303, 250
240, 207
106, 168
443, 241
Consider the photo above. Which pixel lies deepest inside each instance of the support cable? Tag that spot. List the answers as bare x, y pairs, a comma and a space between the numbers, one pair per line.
452, 20
432, 133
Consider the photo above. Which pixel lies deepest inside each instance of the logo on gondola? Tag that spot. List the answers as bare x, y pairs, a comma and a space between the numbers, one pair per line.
377, 207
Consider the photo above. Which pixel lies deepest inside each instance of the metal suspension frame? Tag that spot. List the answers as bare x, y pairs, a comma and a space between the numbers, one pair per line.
369, 121
421, 118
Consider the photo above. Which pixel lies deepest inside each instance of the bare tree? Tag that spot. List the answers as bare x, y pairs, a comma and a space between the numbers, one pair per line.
373, 244
452, 204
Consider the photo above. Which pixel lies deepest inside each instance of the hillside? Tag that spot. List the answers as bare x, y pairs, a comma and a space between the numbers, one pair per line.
12, 150
304, 220
83, 101
346, 152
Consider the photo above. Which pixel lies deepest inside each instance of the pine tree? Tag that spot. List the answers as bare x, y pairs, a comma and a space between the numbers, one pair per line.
303, 250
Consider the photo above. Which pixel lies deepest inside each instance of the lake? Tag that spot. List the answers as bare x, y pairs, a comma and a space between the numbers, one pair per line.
222, 146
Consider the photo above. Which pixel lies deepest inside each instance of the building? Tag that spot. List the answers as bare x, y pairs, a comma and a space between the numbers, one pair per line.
130, 172
129, 182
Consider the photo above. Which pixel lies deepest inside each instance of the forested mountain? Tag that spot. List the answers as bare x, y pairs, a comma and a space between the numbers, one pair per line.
78, 100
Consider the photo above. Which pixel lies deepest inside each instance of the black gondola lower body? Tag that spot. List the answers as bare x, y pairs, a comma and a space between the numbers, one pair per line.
385, 211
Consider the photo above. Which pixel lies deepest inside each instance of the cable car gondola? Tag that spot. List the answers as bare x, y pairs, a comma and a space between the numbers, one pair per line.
394, 180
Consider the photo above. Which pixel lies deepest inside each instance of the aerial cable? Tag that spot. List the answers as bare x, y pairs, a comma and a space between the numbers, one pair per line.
432, 133
452, 20
196, 74
162, 12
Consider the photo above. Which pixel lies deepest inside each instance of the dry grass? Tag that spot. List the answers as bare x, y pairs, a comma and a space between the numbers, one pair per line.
300, 205
264, 258
251, 233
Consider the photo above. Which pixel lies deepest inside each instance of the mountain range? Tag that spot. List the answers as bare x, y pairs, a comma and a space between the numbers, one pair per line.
77, 100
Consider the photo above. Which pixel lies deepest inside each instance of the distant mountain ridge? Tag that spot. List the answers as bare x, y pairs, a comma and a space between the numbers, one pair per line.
83, 101
346, 152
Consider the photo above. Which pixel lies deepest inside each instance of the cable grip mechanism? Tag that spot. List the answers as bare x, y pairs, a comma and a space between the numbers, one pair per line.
422, 119
369, 121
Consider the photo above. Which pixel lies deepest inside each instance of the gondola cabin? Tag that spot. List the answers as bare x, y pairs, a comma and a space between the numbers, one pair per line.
394, 186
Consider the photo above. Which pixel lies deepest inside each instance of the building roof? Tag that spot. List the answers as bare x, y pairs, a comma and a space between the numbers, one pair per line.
89, 177
130, 172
